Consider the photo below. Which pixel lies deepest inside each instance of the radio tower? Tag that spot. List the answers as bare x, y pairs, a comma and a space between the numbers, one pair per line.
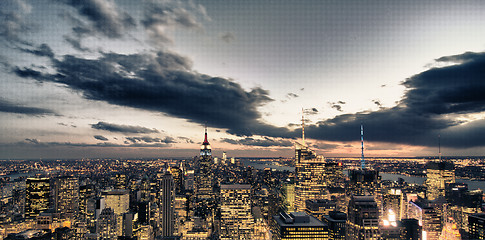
362, 160
303, 126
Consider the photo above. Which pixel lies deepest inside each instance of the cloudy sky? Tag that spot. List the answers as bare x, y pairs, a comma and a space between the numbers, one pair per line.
105, 78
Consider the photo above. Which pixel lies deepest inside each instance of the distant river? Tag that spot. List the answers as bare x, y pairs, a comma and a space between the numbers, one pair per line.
266, 164
472, 185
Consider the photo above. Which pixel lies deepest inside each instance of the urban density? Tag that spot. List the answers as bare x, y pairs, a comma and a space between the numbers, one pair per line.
242, 119
207, 197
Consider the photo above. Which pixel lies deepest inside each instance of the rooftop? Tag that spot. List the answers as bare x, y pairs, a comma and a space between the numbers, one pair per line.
297, 219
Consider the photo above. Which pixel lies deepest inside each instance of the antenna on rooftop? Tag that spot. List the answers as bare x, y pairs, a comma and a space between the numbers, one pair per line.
362, 160
303, 126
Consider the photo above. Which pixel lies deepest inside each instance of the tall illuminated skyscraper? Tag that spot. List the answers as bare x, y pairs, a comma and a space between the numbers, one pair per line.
309, 176
428, 217
36, 196
438, 174
86, 192
167, 204
309, 173
203, 176
236, 219
119, 201
66, 195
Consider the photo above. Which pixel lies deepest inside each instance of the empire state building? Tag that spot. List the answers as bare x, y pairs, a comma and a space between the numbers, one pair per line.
204, 179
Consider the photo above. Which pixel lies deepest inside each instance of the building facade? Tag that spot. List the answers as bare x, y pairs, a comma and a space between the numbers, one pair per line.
37, 196
438, 174
298, 226
363, 219
236, 218
167, 205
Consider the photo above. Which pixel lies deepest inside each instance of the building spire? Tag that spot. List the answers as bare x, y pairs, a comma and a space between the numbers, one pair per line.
303, 126
362, 160
205, 138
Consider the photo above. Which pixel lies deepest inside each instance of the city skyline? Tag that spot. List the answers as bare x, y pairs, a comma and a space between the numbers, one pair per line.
125, 79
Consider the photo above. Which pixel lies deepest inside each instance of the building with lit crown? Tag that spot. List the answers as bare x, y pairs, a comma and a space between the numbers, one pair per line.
203, 175
309, 176
438, 174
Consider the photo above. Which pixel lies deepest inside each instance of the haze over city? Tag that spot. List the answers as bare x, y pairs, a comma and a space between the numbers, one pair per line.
143, 78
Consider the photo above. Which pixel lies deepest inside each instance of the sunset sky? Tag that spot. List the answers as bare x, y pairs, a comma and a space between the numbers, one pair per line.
102, 78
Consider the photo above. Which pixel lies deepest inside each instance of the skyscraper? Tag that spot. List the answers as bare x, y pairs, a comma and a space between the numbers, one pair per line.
236, 219
309, 176
363, 182
119, 201
167, 205
363, 218
438, 174
204, 178
428, 217
36, 197
66, 196
392, 200
86, 192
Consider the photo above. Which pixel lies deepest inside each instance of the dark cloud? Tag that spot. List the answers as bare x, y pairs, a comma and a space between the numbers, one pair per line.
76, 43
431, 100
43, 51
30, 73
187, 140
38, 143
160, 16
103, 16
99, 137
228, 37
292, 95
310, 111
6, 106
165, 140
164, 82
111, 127
325, 146
336, 105
32, 141
377, 102
266, 142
